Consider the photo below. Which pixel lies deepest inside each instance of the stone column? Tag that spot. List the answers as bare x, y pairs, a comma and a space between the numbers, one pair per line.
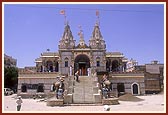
59, 66
109, 68
43, 68
53, 68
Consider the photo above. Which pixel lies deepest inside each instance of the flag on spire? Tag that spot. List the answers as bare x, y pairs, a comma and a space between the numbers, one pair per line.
62, 12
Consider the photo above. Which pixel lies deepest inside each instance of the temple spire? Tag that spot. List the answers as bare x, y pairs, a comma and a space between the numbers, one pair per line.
67, 40
96, 41
81, 37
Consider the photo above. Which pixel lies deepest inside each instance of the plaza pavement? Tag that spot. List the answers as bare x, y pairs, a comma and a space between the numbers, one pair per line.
151, 103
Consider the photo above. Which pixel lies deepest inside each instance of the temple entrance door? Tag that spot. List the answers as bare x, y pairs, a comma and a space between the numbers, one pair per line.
82, 62
135, 89
82, 68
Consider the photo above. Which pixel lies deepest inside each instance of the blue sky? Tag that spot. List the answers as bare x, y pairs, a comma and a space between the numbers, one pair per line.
136, 30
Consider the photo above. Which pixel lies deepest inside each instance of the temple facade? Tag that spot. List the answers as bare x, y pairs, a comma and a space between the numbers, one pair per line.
82, 56
88, 59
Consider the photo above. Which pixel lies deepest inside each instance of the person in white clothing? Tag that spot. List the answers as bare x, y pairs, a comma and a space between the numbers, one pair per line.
89, 72
19, 103
70, 70
77, 76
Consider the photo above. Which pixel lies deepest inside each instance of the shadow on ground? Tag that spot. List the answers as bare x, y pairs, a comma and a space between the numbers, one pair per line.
129, 97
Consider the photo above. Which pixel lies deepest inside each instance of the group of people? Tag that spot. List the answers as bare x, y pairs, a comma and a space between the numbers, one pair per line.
59, 88
105, 86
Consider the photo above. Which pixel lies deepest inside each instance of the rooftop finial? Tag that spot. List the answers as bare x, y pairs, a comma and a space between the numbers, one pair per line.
80, 32
81, 41
98, 20
67, 22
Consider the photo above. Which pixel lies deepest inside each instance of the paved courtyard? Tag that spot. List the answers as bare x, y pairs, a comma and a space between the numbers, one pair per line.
151, 103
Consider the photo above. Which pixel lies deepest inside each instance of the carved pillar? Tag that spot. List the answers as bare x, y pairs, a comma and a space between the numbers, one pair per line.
59, 65
53, 68
43, 69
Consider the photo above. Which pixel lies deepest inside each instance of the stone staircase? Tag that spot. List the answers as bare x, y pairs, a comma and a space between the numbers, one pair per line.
86, 91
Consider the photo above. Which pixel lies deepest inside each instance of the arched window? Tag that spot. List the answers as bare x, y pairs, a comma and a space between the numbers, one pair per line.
66, 62
115, 65
23, 88
49, 65
98, 61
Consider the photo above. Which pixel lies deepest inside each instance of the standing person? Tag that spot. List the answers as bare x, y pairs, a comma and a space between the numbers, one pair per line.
19, 103
61, 86
52, 87
89, 71
70, 70
94, 73
57, 83
77, 76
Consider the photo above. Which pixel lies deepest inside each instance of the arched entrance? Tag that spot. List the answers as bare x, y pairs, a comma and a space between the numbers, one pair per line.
49, 66
115, 65
135, 89
82, 62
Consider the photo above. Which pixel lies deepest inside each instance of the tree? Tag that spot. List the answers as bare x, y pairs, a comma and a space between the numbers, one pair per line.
10, 77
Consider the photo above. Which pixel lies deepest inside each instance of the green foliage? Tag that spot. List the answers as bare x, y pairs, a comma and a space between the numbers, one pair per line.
10, 77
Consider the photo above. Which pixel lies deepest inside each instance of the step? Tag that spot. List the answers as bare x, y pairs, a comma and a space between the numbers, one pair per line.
85, 78
89, 97
97, 98
86, 104
83, 90
88, 90
54, 102
78, 90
